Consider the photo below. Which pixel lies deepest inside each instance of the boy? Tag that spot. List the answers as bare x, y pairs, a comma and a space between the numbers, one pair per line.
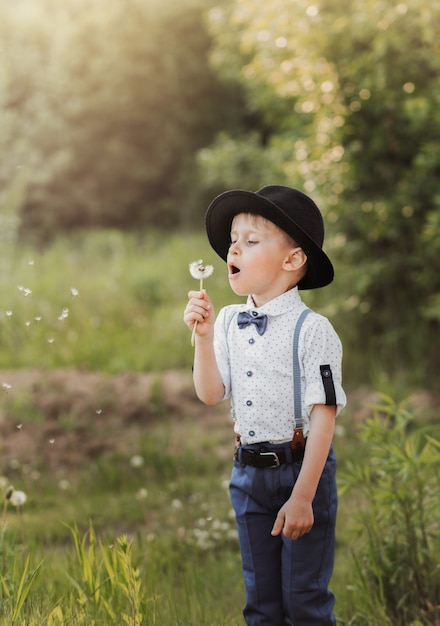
267, 355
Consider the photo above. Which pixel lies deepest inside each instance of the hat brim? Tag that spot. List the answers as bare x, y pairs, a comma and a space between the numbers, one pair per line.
226, 206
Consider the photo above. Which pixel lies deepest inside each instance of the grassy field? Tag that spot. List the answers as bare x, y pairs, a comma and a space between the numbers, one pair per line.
127, 518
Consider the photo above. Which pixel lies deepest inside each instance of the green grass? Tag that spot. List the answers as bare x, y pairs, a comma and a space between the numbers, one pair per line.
151, 535
145, 535
127, 314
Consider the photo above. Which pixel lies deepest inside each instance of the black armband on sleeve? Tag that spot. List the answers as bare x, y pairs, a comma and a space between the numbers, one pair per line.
329, 387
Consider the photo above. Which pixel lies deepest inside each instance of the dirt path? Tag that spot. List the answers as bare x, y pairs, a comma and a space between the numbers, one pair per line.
66, 417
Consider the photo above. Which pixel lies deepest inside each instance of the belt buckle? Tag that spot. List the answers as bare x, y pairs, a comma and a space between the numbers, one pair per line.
276, 462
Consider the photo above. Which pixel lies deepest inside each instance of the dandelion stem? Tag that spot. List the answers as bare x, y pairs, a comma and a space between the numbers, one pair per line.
23, 539
193, 335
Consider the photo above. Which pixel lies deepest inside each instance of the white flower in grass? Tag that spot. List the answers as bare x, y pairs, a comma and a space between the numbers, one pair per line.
200, 271
142, 494
137, 460
18, 498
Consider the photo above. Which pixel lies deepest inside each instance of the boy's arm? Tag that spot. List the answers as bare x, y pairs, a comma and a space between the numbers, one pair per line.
295, 518
207, 380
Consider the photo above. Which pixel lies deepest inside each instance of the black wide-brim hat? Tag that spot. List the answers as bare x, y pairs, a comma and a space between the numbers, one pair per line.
290, 209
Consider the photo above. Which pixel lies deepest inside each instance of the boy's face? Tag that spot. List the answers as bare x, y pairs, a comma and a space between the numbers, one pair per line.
260, 258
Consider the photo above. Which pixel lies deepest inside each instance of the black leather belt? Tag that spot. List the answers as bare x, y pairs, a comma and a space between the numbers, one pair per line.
263, 457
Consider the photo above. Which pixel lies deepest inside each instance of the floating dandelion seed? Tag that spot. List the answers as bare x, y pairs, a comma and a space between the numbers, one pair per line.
50, 340
31, 262
38, 318
74, 291
51, 441
19, 426
98, 411
24, 290
27, 324
199, 271
6, 386
9, 313
64, 315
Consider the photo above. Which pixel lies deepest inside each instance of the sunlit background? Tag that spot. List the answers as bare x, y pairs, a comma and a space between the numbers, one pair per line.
119, 121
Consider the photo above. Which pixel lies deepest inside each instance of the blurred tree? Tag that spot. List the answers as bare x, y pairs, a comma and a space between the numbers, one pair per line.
349, 94
103, 105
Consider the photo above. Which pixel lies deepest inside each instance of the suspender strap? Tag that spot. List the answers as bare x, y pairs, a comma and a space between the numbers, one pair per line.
298, 441
297, 403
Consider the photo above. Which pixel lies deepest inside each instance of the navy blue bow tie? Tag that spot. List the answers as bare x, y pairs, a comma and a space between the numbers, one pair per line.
260, 321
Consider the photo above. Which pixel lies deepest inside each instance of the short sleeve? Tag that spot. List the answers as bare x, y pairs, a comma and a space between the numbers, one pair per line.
322, 347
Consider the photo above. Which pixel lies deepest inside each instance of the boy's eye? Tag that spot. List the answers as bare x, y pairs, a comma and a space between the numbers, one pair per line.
251, 242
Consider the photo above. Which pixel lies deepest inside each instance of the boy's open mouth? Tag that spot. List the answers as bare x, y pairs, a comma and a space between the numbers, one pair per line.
233, 269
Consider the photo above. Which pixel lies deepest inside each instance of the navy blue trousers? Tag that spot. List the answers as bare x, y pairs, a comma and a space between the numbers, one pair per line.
286, 581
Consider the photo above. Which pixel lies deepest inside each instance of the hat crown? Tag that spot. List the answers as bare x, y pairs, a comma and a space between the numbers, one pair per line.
298, 208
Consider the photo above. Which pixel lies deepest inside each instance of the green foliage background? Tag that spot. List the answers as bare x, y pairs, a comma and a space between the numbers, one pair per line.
134, 114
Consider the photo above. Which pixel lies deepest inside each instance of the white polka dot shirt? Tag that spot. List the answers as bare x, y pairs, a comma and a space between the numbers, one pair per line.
257, 370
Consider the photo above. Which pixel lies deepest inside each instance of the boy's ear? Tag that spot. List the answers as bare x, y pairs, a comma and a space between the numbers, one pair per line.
296, 259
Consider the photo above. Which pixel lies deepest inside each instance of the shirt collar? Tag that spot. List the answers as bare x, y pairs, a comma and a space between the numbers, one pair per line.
279, 305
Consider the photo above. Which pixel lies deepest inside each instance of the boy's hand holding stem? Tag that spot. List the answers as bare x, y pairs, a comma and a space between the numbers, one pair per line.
198, 270
200, 314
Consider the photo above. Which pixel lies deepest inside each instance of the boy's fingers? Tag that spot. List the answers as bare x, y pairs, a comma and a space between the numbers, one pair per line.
278, 526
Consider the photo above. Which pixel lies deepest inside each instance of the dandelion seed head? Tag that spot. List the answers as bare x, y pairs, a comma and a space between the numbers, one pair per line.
18, 498
142, 494
137, 460
64, 484
199, 271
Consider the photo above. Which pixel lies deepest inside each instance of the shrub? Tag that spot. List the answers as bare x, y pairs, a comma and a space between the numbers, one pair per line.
399, 527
